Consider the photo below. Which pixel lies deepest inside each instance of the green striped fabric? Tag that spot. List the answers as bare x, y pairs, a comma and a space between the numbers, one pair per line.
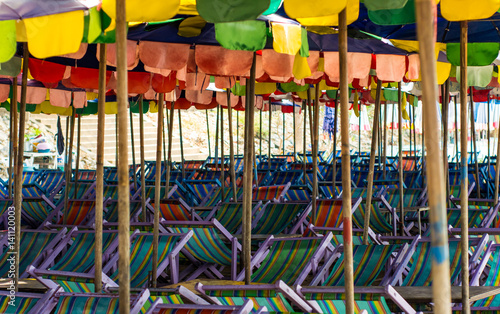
206, 245
22, 305
32, 245
369, 260
277, 217
286, 261
80, 256
230, 216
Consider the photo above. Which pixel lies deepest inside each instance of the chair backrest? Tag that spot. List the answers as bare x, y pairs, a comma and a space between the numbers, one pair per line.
375, 306
276, 217
273, 301
329, 214
79, 211
298, 193
269, 192
84, 304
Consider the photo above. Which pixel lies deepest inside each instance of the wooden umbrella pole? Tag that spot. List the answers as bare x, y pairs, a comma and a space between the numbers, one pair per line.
69, 168
400, 162
346, 165
359, 131
294, 135
446, 103
238, 132
260, 133
334, 148
473, 136
315, 132
248, 173
371, 167
497, 166
165, 160
283, 133
379, 134
232, 170
384, 156
99, 196
392, 130
217, 139
464, 197
123, 177
143, 165
456, 133
156, 219
438, 220
132, 144
208, 135
304, 141
13, 137
488, 143
18, 195
170, 142
78, 142
222, 160
117, 157
311, 119
183, 170
269, 141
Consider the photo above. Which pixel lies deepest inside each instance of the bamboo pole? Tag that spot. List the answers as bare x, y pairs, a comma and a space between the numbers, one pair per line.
346, 165
132, 143
260, 133
304, 142
497, 165
13, 138
439, 237
238, 132
446, 103
334, 161
473, 137
99, 196
488, 143
78, 142
311, 119
232, 171
156, 219
400, 166
217, 139
392, 130
222, 161
143, 165
208, 135
248, 173
165, 159
123, 178
269, 142
182, 145
294, 135
384, 156
456, 134
379, 134
117, 157
315, 132
69, 169
359, 130
18, 195
464, 198
283, 133
371, 167
170, 142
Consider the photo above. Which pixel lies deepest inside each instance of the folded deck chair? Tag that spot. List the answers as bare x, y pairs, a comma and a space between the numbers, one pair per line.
371, 300
275, 192
277, 298
26, 302
415, 266
206, 250
141, 251
36, 246
161, 308
369, 261
230, 215
275, 218
288, 259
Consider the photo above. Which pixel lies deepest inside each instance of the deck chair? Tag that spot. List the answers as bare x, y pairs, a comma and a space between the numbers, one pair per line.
85, 176
141, 249
205, 250
216, 197
171, 209
277, 298
380, 221
370, 300
275, 218
298, 193
27, 302
200, 190
51, 182
230, 215
415, 266
287, 259
328, 216
274, 193
81, 212
369, 261
34, 211
327, 191
160, 308
283, 177
81, 191
36, 246
456, 190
